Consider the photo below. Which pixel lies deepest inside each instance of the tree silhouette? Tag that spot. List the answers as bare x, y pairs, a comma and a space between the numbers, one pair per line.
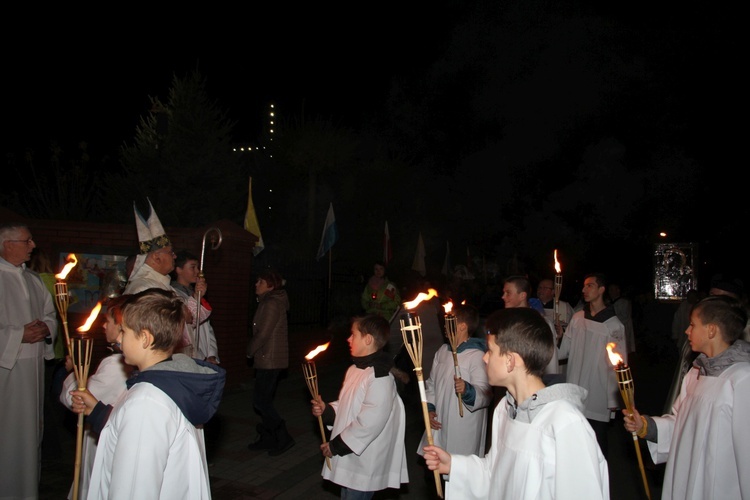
182, 160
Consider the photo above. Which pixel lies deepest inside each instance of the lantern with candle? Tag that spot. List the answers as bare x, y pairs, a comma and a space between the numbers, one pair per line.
627, 391
411, 329
311, 377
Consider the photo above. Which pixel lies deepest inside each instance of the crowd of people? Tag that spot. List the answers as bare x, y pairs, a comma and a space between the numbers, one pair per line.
519, 402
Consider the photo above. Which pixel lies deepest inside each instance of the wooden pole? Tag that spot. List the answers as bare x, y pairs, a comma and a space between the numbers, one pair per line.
411, 329
82, 350
311, 377
450, 330
627, 391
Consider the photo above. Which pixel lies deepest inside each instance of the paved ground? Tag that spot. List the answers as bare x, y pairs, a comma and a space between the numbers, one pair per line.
238, 474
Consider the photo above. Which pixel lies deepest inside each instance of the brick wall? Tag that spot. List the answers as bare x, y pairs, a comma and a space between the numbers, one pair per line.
227, 268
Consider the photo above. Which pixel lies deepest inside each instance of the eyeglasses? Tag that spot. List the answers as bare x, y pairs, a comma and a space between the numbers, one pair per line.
544, 288
168, 252
28, 241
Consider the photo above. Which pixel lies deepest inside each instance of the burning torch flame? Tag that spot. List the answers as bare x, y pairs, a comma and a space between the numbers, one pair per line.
558, 269
448, 306
68, 267
614, 358
422, 296
92, 317
314, 352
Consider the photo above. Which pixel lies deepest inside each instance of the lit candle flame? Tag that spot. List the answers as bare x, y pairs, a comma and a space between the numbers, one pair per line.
422, 296
316, 351
558, 269
448, 306
614, 358
92, 317
72, 261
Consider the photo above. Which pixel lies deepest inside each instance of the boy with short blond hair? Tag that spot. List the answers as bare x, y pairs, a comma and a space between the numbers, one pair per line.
150, 446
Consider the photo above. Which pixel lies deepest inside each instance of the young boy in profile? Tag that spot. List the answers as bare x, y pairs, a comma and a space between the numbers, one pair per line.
149, 446
543, 446
367, 439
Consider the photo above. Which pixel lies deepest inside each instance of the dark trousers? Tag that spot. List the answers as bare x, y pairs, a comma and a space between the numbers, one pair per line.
601, 429
266, 382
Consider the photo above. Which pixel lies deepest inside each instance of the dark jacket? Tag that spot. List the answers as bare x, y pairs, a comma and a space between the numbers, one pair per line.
269, 345
195, 386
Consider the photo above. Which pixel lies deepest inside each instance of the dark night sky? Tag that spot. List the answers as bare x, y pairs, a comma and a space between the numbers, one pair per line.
90, 77
94, 81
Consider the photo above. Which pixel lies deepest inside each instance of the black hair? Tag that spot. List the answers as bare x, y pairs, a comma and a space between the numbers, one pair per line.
375, 325
182, 257
724, 311
525, 332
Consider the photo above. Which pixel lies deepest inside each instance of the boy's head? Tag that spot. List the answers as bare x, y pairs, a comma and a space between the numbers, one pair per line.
595, 288
469, 315
369, 334
113, 317
185, 262
723, 311
522, 331
158, 313
516, 291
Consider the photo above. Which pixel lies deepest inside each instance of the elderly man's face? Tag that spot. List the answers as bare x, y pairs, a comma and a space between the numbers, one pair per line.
18, 247
545, 291
164, 260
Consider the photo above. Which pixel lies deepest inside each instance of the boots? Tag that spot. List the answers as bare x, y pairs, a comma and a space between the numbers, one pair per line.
283, 441
265, 440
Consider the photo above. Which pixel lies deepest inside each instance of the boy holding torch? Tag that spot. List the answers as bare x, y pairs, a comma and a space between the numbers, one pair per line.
459, 434
151, 444
543, 447
705, 440
369, 422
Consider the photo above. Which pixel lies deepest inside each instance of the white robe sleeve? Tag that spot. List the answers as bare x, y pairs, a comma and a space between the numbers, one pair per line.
207, 344
370, 421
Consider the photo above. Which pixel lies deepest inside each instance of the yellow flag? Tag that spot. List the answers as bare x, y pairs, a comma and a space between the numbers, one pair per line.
251, 220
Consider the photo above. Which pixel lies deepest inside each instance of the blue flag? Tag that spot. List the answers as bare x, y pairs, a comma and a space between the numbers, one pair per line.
330, 233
